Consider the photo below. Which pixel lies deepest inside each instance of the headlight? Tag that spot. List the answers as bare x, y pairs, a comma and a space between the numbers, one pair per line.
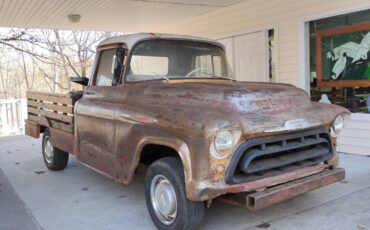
337, 126
223, 143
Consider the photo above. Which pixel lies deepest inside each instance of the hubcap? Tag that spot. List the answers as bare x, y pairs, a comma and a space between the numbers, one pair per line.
48, 150
163, 199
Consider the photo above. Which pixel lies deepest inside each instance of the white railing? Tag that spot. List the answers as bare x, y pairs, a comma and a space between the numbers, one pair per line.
13, 112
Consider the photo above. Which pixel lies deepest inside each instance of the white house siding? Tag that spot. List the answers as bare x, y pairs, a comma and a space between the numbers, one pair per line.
285, 16
254, 15
355, 138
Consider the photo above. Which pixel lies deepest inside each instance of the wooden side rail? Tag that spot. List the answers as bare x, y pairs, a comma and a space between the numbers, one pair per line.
52, 110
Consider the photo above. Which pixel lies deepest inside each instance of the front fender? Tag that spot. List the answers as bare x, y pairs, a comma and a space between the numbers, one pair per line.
194, 160
178, 145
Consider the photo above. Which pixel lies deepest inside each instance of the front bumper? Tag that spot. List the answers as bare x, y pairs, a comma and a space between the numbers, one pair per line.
206, 191
289, 190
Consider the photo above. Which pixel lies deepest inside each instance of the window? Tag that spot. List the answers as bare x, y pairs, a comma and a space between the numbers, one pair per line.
209, 65
149, 65
110, 67
272, 55
162, 59
340, 66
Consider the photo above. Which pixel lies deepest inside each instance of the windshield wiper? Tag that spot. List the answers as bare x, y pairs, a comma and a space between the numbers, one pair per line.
162, 76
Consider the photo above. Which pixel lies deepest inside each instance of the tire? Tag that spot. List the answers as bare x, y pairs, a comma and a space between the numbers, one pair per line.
165, 179
55, 159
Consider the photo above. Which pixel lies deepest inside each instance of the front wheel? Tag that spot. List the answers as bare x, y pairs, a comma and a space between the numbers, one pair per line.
55, 159
166, 198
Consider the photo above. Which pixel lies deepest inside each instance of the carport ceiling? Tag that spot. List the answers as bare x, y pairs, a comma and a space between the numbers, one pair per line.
104, 15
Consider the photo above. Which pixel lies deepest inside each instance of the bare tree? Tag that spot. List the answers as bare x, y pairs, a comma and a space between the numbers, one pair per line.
44, 59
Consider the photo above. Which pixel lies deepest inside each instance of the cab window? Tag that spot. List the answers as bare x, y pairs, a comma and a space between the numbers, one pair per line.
110, 67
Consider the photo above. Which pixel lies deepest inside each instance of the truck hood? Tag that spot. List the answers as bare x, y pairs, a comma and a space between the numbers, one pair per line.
254, 107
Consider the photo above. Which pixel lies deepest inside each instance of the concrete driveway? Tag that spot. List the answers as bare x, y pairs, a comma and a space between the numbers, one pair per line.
32, 197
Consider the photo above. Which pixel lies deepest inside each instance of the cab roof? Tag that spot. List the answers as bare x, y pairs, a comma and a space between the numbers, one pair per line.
131, 39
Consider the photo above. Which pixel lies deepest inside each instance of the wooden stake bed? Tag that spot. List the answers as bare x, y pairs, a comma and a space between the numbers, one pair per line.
51, 110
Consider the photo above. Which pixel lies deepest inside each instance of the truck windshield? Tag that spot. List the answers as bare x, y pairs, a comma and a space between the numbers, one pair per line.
165, 60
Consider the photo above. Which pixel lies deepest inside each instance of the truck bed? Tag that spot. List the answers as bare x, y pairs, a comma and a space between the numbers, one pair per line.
53, 111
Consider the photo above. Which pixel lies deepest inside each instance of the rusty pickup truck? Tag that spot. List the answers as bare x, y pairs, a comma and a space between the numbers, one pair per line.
171, 103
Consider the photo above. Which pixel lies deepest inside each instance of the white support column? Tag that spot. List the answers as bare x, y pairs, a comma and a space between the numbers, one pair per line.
4, 117
23, 112
14, 116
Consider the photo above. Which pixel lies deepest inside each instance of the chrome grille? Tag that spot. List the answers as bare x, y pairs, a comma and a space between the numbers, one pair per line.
268, 156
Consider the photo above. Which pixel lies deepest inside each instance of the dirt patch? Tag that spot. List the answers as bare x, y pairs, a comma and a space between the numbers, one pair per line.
361, 226
263, 225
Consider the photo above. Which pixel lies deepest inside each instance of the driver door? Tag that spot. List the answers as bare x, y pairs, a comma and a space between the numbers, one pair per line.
95, 114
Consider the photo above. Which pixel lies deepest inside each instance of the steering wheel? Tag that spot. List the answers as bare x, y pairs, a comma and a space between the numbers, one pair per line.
194, 71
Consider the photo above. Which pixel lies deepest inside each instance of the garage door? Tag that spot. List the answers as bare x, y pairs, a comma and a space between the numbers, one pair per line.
248, 56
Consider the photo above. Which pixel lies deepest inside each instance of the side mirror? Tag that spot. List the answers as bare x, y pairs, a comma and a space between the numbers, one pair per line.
80, 80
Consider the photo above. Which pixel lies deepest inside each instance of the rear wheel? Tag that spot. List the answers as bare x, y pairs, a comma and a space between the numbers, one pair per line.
55, 159
166, 198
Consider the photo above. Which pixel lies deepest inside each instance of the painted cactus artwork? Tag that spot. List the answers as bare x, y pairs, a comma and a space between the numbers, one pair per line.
344, 57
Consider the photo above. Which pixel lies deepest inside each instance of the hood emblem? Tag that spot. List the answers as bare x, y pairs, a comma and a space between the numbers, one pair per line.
293, 125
